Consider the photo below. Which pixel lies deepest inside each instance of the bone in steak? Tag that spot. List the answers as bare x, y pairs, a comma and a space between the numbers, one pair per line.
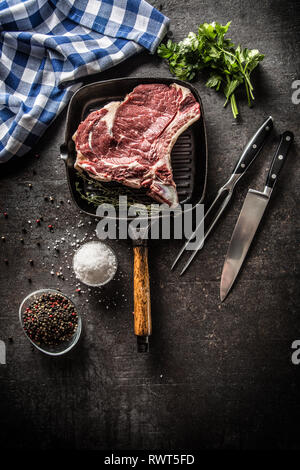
131, 141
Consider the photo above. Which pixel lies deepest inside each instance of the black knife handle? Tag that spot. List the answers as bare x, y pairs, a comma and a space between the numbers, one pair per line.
254, 146
286, 139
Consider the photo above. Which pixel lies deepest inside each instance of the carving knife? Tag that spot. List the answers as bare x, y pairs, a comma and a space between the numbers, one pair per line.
250, 216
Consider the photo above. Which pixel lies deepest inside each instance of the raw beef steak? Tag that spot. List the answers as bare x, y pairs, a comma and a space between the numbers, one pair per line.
131, 141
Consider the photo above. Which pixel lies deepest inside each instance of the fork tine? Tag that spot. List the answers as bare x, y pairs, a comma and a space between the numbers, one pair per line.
201, 244
187, 242
197, 228
189, 262
178, 256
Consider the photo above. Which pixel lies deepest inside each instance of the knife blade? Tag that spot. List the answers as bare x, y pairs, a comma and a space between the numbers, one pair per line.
250, 216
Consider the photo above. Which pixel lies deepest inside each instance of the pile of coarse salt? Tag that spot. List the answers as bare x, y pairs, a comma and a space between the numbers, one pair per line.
94, 263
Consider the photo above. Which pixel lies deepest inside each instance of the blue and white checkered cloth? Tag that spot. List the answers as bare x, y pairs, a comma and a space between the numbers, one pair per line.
47, 44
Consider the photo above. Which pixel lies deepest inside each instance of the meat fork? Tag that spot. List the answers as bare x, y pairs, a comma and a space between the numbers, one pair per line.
226, 191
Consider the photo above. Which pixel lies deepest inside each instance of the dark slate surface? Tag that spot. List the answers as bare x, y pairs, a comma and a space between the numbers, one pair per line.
217, 376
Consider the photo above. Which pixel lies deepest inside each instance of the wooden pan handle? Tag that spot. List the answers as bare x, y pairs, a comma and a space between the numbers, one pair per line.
142, 303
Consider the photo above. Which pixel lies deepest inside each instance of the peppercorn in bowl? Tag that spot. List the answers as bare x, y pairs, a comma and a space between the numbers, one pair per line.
50, 321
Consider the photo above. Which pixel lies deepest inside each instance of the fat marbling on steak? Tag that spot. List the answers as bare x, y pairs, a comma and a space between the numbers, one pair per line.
131, 141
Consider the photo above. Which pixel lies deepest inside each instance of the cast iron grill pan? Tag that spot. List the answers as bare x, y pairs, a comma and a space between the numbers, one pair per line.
188, 157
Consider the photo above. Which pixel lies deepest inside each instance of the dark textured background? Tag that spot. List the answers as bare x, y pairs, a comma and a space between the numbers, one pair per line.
217, 376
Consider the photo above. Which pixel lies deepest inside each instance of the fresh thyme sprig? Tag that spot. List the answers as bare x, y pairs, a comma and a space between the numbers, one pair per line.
97, 193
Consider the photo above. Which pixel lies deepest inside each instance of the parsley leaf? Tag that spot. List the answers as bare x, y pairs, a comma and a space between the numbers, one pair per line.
229, 66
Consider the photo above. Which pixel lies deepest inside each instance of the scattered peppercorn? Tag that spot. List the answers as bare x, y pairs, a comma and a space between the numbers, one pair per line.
22, 240
46, 198
6, 261
30, 185
29, 280
31, 262
51, 199
51, 319
38, 243
24, 230
3, 239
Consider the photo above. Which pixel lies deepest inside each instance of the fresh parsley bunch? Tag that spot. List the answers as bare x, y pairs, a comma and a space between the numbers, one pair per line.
229, 66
